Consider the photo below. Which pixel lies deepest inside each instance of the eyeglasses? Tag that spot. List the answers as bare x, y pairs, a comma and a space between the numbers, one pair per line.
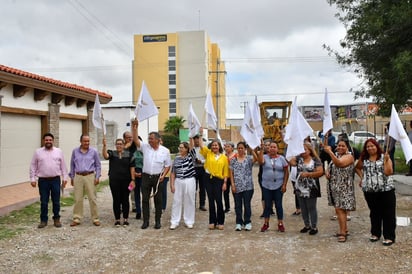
119, 144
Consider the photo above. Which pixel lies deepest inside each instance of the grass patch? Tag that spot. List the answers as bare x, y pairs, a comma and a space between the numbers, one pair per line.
16, 222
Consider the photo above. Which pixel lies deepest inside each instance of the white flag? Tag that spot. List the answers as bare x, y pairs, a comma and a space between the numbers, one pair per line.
248, 130
327, 114
296, 132
211, 119
98, 120
256, 119
193, 122
397, 132
145, 107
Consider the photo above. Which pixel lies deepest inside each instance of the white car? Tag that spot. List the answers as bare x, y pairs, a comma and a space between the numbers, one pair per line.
359, 137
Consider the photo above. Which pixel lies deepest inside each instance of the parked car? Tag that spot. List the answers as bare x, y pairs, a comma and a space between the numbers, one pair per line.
359, 137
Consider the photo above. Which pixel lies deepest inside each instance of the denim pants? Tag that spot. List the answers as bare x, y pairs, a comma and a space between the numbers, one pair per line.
242, 200
214, 195
47, 188
273, 195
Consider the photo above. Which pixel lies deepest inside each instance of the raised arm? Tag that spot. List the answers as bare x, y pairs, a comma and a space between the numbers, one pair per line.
135, 133
104, 150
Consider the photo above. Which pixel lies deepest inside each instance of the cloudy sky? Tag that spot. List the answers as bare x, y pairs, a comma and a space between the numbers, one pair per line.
271, 48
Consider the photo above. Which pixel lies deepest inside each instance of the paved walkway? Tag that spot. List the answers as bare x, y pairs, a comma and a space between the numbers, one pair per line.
18, 196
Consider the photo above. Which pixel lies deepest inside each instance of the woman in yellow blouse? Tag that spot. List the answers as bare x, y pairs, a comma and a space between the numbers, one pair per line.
216, 175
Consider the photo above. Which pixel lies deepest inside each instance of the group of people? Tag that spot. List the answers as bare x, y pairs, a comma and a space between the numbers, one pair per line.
143, 167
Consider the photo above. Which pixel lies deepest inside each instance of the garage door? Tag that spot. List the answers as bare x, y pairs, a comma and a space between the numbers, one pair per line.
20, 137
69, 134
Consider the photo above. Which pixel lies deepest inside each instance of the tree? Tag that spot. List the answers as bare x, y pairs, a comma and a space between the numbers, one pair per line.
378, 48
173, 125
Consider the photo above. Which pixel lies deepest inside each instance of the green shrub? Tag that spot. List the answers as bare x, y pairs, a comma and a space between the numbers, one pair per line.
171, 142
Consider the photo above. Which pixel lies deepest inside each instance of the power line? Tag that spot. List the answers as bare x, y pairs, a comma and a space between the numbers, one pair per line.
85, 13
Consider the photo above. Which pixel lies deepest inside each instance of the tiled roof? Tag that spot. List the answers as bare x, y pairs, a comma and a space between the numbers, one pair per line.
52, 81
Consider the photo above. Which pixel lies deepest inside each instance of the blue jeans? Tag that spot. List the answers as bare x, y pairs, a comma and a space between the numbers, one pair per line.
47, 188
273, 195
243, 199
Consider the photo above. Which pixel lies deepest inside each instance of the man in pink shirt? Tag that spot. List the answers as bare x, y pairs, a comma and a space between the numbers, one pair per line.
47, 165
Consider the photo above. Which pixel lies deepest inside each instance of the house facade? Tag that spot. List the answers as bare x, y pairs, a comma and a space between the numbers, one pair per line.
31, 105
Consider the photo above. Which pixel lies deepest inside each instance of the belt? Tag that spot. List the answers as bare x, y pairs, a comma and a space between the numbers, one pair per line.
84, 173
49, 178
151, 175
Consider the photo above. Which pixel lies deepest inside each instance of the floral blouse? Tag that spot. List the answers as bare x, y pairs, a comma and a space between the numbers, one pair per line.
374, 179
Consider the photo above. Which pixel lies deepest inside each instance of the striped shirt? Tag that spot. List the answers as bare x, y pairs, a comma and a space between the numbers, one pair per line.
184, 167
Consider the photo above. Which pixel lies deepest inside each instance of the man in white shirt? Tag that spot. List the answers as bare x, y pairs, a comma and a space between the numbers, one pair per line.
156, 164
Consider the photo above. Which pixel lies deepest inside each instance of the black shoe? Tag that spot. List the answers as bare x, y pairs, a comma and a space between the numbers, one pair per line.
305, 229
138, 216
227, 210
145, 225
262, 216
157, 225
117, 224
134, 210
313, 231
202, 208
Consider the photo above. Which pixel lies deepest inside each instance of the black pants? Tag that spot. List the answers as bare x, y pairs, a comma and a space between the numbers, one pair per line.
200, 185
214, 196
382, 207
120, 195
226, 194
149, 183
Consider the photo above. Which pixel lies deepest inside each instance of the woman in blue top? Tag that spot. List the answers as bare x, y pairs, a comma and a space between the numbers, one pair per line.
275, 175
242, 185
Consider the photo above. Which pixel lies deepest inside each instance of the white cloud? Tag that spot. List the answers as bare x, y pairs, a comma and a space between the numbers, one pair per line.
90, 43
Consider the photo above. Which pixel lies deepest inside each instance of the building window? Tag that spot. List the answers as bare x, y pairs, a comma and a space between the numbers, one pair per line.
172, 93
172, 79
172, 65
172, 108
172, 51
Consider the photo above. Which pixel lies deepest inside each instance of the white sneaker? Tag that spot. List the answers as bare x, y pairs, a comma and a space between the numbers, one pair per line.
173, 227
248, 227
238, 227
189, 226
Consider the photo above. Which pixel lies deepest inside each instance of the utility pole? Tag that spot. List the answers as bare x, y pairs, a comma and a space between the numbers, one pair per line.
217, 89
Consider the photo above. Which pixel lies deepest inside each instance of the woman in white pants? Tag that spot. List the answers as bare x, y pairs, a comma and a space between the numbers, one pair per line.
183, 186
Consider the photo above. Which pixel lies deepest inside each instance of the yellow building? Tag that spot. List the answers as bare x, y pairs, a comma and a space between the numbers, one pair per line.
178, 69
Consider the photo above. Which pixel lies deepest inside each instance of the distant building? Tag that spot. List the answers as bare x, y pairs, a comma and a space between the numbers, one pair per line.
178, 69
31, 105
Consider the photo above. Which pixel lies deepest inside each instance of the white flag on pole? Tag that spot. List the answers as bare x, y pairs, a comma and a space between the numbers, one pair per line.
248, 130
256, 119
193, 122
296, 132
397, 132
327, 114
98, 120
211, 119
145, 107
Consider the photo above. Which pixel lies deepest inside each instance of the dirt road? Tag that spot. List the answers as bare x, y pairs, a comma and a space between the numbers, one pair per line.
106, 249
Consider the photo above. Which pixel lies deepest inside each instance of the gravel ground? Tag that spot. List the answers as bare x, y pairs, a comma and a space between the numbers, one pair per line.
106, 249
